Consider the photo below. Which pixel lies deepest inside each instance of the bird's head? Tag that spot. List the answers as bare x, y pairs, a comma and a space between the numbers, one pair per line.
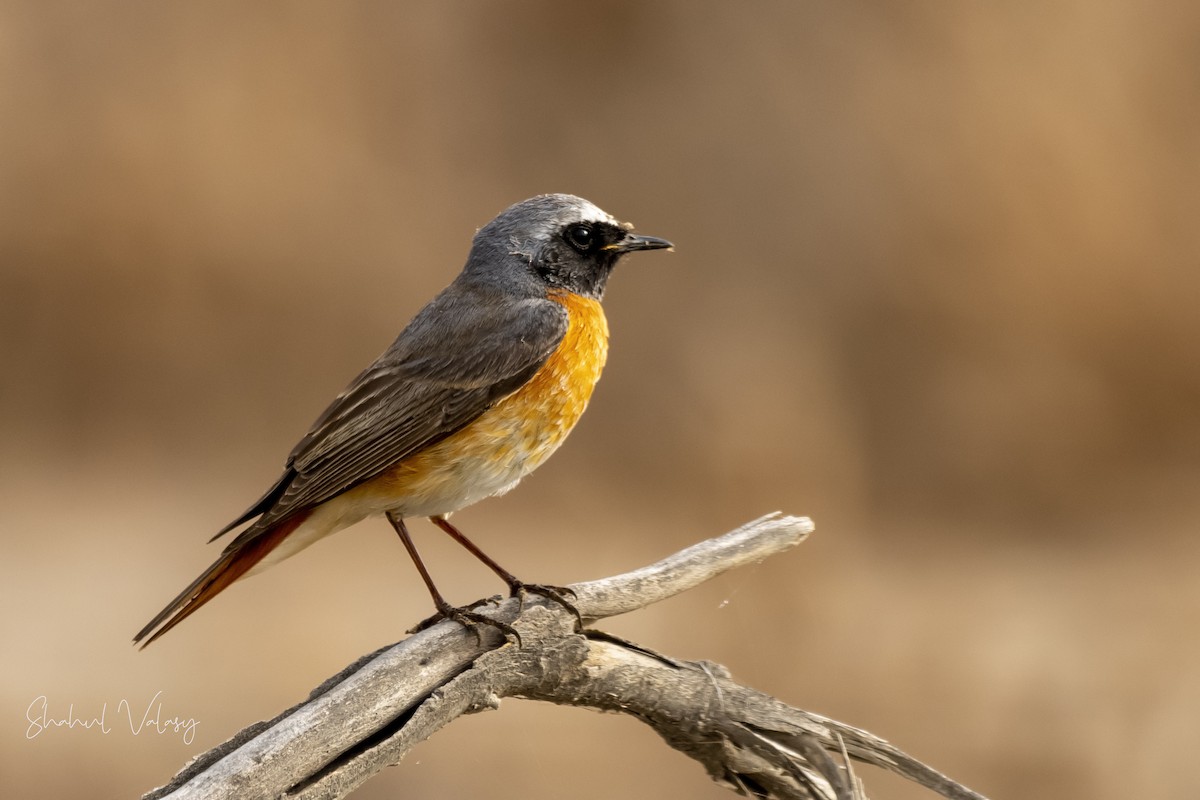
556, 240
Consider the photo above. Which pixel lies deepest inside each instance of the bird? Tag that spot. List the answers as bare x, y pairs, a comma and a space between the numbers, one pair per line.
477, 391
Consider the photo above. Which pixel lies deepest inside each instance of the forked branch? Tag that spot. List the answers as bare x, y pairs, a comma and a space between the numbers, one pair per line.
372, 713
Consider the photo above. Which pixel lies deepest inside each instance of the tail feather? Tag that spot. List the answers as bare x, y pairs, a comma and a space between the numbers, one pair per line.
235, 562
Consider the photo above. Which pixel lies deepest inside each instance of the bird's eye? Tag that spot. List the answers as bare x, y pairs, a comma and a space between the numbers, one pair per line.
581, 237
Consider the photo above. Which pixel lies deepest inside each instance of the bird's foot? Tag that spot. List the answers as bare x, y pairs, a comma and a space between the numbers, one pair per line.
556, 593
469, 619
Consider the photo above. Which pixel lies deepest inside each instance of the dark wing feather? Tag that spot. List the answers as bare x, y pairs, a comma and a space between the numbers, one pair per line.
261, 505
463, 353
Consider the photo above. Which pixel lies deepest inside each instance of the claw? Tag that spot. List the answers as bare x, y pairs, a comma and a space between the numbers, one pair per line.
556, 593
470, 620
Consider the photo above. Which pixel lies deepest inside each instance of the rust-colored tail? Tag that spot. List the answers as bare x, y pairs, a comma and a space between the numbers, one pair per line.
242, 554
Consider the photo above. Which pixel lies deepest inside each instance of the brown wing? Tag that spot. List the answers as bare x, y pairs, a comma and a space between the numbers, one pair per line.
464, 352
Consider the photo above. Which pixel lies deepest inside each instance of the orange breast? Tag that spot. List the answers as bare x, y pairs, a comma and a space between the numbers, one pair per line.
506, 442
546, 408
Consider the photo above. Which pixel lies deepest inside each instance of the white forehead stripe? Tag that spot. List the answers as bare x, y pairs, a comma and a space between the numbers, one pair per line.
589, 212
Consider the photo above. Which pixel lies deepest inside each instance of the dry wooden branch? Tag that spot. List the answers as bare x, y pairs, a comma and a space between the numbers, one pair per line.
372, 713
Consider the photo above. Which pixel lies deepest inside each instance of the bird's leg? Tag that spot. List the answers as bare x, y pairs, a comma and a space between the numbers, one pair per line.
517, 588
463, 616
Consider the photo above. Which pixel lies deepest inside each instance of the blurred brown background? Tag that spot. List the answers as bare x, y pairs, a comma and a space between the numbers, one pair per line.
935, 286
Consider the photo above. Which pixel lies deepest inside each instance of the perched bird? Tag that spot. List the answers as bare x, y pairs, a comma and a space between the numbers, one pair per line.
477, 391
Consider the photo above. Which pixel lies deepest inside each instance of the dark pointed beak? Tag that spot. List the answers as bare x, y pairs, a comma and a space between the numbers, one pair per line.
633, 242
